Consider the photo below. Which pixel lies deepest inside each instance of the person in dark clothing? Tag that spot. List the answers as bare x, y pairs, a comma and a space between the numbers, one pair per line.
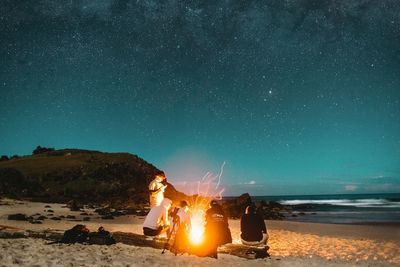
252, 226
217, 231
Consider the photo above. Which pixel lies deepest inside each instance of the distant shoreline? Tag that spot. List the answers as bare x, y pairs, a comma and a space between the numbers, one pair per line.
312, 195
352, 209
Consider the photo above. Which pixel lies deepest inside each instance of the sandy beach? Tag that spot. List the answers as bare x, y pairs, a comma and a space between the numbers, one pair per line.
291, 243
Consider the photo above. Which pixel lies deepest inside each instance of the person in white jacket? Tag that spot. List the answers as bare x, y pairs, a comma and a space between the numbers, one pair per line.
156, 221
156, 189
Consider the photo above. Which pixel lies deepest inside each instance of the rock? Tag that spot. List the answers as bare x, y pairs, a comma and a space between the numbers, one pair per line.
47, 206
235, 208
108, 217
41, 218
275, 205
272, 210
131, 211
51, 211
71, 217
86, 219
84, 214
117, 213
109, 212
55, 218
103, 211
101, 237
18, 217
74, 206
142, 212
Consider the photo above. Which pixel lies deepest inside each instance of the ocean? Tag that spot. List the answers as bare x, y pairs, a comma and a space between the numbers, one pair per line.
341, 209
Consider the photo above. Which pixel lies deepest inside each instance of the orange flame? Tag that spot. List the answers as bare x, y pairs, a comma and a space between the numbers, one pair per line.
207, 189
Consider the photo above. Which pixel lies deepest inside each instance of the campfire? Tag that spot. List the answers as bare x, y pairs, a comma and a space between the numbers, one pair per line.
195, 241
196, 235
207, 189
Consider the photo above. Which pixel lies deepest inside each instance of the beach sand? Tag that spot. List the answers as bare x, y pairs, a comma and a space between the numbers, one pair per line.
291, 243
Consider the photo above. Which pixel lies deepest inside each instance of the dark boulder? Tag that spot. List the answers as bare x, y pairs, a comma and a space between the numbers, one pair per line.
77, 234
101, 237
235, 208
103, 211
108, 217
271, 210
74, 206
18, 217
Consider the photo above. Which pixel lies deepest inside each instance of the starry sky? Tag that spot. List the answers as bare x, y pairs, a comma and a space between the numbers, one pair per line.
294, 96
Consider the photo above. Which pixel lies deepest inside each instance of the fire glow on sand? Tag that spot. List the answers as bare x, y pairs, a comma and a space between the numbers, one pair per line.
207, 189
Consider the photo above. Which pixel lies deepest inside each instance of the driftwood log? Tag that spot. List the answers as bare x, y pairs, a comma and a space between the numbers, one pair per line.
239, 250
142, 241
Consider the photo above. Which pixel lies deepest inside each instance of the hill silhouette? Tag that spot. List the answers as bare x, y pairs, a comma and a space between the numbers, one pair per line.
119, 179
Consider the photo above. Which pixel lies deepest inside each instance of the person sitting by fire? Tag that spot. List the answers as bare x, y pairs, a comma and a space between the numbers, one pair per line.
181, 242
184, 217
156, 221
217, 230
156, 189
253, 229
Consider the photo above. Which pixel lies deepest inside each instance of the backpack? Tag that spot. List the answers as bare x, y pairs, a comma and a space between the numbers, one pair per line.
101, 237
77, 234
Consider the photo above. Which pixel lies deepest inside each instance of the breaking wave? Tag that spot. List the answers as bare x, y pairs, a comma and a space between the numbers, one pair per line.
362, 203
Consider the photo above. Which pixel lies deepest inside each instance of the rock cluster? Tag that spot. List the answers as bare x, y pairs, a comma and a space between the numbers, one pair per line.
271, 210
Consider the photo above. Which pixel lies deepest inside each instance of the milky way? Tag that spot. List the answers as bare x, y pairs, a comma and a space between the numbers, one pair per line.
297, 97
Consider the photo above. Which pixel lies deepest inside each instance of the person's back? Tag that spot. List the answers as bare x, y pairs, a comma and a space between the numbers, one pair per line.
217, 226
181, 242
156, 220
252, 227
216, 230
184, 217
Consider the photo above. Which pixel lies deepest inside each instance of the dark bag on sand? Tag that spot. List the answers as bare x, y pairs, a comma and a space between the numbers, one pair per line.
101, 237
77, 234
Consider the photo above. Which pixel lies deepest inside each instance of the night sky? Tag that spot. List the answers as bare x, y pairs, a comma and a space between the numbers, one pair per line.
295, 96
